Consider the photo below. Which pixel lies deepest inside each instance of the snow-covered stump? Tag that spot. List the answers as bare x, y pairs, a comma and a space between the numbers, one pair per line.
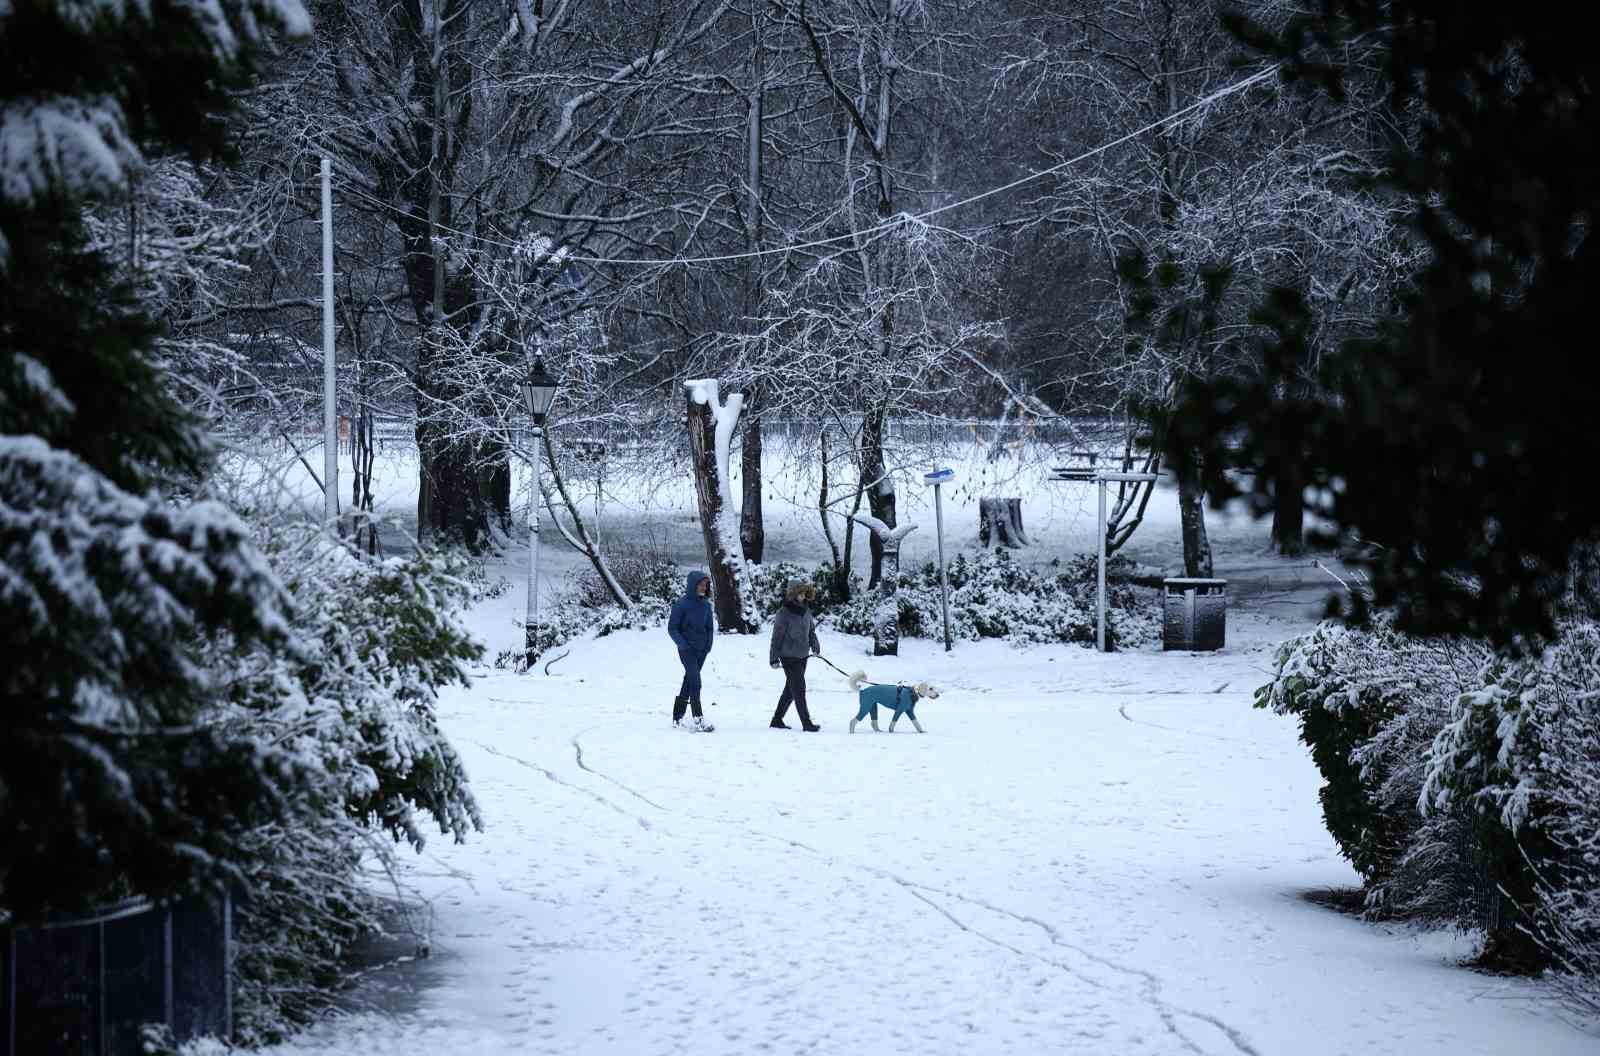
1001, 520
711, 425
886, 615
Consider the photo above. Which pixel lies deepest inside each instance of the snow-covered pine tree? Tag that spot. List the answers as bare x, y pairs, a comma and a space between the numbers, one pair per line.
107, 585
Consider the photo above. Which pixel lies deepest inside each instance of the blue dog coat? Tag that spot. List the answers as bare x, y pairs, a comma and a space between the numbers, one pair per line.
903, 699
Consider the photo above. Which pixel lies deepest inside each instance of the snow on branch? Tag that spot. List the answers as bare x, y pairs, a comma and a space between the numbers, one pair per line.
881, 530
62, 146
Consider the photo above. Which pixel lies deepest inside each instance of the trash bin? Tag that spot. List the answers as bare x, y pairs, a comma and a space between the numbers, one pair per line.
1195, 616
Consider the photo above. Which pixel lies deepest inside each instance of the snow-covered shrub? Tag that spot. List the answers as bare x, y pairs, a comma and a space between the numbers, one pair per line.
770, 582
645, 574
1317, 679
110, 586
1369, 702
1460, 782
584, 604
358, 708
1521, 755
991, 596
108, 784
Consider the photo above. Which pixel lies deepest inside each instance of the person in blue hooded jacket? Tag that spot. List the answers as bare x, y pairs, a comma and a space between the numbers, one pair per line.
692, 627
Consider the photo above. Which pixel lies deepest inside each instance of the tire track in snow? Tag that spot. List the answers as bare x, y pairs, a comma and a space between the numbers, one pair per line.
577, 747
644, 823
1149, 984
1122, 709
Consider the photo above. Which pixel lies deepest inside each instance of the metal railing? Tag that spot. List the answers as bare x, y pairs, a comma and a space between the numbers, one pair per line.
88, 986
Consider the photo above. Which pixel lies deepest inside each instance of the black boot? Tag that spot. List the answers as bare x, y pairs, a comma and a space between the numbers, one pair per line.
679, 705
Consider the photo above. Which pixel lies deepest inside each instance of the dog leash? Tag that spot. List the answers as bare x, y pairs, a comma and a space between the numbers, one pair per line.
847, 674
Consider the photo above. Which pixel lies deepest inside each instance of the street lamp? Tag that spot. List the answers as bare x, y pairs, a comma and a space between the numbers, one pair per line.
538, 393
938, 478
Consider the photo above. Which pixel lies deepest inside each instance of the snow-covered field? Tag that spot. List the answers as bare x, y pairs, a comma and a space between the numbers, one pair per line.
1085, 853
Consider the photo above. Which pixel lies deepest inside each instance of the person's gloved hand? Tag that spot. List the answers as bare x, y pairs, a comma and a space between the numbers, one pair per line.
776, 665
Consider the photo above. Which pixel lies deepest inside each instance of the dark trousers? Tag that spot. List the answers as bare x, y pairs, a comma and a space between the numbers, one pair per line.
794, 689
689, 692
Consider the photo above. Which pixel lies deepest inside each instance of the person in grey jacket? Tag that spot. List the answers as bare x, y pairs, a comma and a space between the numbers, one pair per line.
794, 640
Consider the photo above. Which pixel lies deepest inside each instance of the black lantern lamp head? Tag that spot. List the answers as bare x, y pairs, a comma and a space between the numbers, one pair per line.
538, 391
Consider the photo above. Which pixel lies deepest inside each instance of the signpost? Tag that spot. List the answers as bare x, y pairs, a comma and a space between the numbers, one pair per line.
1102, 477
938, 478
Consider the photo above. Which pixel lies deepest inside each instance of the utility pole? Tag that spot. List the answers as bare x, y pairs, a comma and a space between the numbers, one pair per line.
330, 410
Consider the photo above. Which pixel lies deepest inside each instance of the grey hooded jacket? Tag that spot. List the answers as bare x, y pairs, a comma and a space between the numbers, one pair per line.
794, 633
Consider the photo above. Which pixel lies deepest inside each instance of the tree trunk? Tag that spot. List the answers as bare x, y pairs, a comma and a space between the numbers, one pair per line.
720, 556
841, 591
842, 574
494, 482
1288, 508
1191, 512
877, 484
886, 617
452, 503
578, 535
752, 528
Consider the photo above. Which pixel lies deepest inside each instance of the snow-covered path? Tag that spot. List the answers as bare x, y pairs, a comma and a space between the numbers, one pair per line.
1085, 853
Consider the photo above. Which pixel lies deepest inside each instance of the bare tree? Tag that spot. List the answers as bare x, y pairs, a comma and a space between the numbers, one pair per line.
1217, 195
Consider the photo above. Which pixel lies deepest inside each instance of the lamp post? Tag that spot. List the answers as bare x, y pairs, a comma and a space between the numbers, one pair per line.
938, 478
538, 393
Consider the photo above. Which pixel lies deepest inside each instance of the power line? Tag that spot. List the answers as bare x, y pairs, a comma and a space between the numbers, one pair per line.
893, 222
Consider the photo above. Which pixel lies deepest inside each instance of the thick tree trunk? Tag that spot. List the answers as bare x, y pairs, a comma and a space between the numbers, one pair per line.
453, 502
720, 556
1288, 509
1191, 513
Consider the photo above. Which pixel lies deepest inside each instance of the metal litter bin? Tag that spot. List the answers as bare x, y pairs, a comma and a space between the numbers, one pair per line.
1195, 616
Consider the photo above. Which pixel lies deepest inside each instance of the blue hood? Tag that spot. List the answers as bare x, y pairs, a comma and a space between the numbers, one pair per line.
692, 581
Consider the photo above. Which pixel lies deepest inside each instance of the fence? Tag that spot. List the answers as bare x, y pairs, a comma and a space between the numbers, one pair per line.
88, 986
399, 432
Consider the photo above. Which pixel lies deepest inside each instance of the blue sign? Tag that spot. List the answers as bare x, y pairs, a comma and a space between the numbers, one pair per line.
940, 476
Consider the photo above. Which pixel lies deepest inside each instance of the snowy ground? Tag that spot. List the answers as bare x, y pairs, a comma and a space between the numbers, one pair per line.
1085, 853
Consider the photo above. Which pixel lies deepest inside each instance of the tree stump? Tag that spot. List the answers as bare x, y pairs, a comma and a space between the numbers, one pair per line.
1001, 521
709, 459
